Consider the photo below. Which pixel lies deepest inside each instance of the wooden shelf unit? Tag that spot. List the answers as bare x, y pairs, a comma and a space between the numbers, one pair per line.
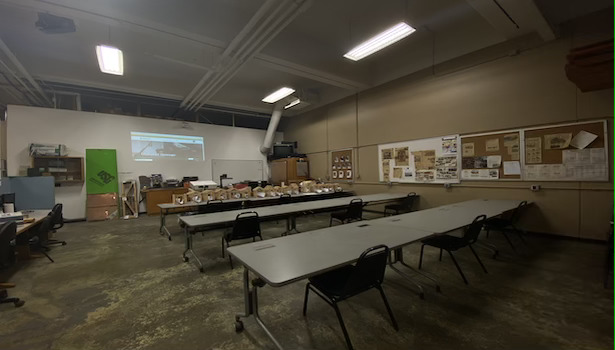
73, 166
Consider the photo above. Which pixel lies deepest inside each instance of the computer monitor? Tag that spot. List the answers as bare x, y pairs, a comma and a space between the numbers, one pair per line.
283, 150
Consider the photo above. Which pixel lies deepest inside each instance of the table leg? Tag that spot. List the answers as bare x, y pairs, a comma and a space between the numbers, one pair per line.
398, 258
188, 249
291, 225
251, 306
163, 219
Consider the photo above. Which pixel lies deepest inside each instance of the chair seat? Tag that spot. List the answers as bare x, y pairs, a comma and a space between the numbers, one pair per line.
445, 242
332, 283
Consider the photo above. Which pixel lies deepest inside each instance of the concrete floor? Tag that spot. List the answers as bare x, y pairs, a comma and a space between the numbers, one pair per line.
119, 285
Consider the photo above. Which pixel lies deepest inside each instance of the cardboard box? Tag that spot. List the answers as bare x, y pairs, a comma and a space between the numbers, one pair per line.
102, 213
102, 200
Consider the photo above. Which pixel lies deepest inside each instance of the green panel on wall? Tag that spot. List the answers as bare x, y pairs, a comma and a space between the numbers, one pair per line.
101, 171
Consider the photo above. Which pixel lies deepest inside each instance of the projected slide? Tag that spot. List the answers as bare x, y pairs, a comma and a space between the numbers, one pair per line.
147, 147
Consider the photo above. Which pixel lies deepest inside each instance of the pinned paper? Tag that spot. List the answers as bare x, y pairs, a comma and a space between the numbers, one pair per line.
583, 139
494, 161
533, 150
512, 168
557, 141
468, 149
492, 145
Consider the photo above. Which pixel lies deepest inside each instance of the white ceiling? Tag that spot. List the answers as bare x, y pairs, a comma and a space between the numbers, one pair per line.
169, 46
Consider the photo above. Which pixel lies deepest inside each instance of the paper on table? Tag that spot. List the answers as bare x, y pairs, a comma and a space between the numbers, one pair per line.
583, 139
494, 161
492, 145
512, 168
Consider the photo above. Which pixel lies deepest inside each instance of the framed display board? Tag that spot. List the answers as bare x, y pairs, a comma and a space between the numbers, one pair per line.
433, 160
569, 152
341, 165
491, 156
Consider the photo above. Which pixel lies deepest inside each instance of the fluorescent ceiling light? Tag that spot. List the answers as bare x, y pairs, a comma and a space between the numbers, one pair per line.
110, 59
293, 103
380, 41
278, 95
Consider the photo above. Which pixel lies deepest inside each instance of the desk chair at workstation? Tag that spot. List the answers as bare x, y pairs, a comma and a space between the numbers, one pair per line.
505, 223
8, 232
348, 281
353, 212
405, 206
40, 238
57, 223
247, 225
452, 243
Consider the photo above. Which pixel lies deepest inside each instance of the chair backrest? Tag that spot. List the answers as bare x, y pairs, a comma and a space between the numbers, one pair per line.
517, 212
58, 219
409, 200
285, 198
211, 206
368, 271
247, 225
473, 230
42, 231
8, 232
355, 209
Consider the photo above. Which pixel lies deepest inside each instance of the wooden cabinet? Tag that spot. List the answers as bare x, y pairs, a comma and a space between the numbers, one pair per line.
289, 170
65, 170
155, 196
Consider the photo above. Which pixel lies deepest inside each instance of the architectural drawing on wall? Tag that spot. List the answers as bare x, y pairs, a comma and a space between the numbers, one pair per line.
341, 164
533, 150
434, 160
558, 141
492, 145
468, 149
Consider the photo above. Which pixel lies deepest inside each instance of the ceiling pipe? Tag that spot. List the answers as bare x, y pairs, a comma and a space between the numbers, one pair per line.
32, 97
276, 115
256, 47
23, 71
245, 31
255, 35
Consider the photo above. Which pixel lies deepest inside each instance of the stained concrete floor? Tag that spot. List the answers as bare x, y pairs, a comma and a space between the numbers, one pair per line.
119, 285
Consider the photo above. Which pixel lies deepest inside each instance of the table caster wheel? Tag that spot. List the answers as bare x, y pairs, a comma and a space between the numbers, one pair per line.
201, 269
422, 296
63, 243
185, 258
438, 289
238, 326
170, 239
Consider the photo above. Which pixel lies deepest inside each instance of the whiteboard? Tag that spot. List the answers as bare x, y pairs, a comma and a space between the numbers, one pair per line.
433, 160
238, 170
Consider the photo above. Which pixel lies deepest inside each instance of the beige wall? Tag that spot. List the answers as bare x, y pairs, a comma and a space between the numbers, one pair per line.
511, 91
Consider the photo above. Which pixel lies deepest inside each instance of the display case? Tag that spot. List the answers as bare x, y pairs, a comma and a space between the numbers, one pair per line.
65, 170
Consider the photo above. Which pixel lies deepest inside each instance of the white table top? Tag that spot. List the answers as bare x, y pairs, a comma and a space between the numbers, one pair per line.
38, 215
287, 259
449, 217
234, 200
283, 209
283, 260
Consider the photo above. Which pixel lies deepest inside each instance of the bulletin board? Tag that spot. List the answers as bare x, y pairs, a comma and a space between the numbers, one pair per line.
342, 165
433, 160
570, 152
491, 156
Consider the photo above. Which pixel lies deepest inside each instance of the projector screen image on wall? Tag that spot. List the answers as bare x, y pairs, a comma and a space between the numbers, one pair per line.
147, 147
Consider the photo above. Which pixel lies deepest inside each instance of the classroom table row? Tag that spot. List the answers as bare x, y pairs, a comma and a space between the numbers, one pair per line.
202, 222
281, 261
239, 203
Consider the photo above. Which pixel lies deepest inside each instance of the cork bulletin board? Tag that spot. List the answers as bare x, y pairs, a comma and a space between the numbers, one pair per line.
491, 156
342, 165
570, 152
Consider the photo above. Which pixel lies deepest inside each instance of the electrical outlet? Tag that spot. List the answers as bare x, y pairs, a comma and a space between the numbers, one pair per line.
535, 188
447, 185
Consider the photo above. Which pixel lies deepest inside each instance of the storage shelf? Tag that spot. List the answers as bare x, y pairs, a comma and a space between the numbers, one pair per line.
73, 166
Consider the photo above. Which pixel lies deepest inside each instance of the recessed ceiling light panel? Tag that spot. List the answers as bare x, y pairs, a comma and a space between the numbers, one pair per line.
110, 59
380, 41
278, 95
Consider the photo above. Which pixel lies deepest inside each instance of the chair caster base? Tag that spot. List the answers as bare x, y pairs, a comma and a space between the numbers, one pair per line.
238, 326
19, 303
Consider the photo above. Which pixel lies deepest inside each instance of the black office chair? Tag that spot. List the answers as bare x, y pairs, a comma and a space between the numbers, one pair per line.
507, 222
451, 243
40, 238
57, 223
247, 225
345, 282
8, 232
404, 207
353, 212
